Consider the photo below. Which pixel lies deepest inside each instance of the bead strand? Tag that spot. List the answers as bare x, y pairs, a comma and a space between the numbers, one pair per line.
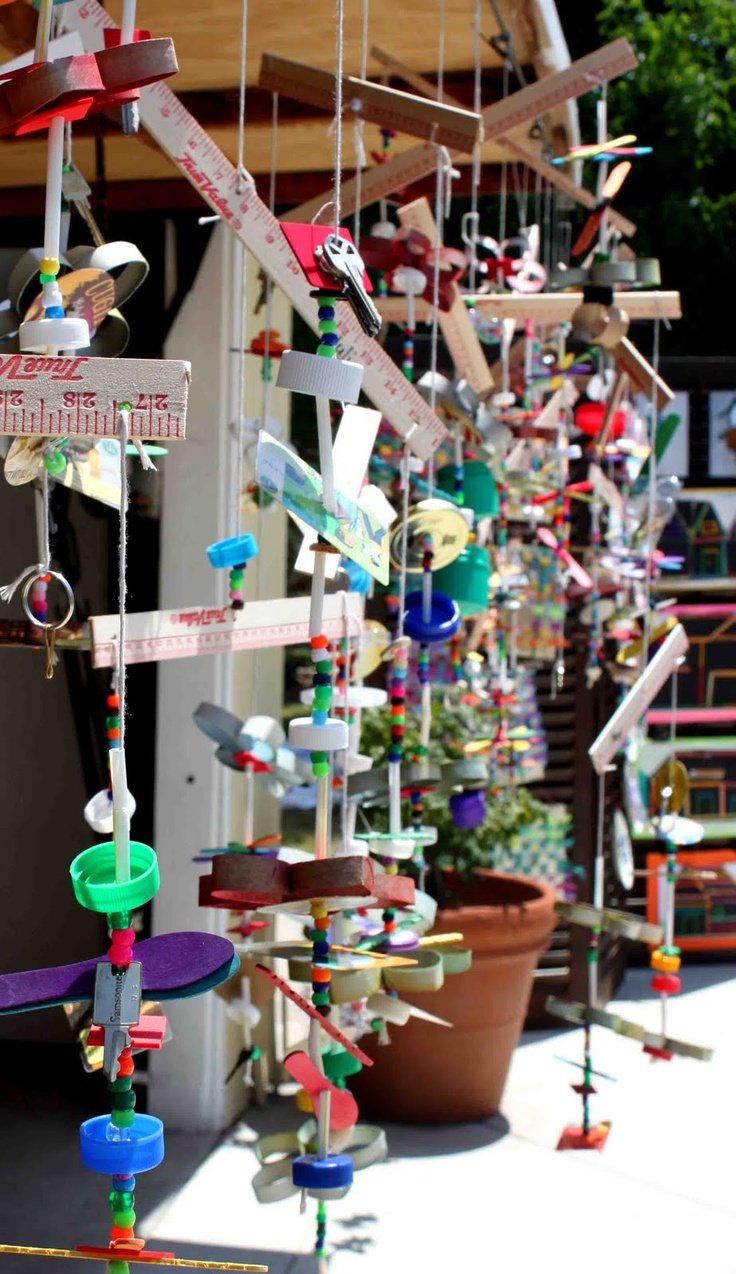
327, 326
321, 975
38, 598
320, 1250
235, 587
322, 683
51, 296
407, 363
121, 1198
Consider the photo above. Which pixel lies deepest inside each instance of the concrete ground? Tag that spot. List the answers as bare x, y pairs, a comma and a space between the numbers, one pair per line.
482, 1197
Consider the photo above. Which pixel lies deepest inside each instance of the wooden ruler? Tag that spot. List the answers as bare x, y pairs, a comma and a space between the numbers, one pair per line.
151, 636
388, 107
641, 373
81, 397
542, 307
460, 336
211, 173
633, 706
498, 120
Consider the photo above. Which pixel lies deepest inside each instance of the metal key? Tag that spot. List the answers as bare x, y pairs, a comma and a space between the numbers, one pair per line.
341, 259
116, 1006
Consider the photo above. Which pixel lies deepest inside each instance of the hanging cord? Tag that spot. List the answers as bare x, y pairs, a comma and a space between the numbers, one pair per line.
336, 197
404, 537
652, 491
241, 94
123, 432
359, 127
439, 214
238, 424
502, 206
268, 293
477, 106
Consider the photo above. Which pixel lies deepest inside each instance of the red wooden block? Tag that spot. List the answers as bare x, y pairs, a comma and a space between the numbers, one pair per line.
126, 1251
260, 880
660, 1054
303, 239
33, 95
351, 877
243, 758
394, 891
573, 1138
148, 1033
128, 67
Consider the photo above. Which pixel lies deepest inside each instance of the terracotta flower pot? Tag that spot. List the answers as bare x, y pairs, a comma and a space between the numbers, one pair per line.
431, 1075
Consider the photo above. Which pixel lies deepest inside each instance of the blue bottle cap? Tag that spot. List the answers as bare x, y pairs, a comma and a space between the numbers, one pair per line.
233, 552
332, 1173
143, 1147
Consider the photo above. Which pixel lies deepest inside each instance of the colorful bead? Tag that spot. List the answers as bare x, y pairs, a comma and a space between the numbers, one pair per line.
49, 266
327, 328
663, 962
122, 1118
666, 983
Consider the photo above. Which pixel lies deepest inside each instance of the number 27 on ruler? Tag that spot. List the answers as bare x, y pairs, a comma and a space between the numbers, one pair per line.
82, 397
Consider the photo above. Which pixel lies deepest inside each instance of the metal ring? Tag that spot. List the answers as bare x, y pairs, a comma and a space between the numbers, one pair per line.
59, 623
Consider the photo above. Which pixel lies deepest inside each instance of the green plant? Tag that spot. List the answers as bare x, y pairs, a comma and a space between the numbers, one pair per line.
681, 100
509, 808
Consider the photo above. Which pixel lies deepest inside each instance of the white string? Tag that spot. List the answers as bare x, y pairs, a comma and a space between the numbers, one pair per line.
241, 93
652, 490
504, 169
123, 431
404, 534
477, 105
439, 208
45, 543
266, 396
338, 115
359, 126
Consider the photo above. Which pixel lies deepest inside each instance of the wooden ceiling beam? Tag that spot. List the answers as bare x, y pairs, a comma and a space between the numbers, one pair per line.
174, 194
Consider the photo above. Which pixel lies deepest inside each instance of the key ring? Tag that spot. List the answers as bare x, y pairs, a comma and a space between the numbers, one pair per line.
59, 623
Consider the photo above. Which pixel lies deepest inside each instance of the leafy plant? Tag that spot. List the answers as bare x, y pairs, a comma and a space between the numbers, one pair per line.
682, 101
509, 808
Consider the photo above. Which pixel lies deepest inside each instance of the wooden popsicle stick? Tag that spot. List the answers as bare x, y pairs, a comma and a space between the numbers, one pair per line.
542, 307
377, 104
457, 329
641, 373
498, 120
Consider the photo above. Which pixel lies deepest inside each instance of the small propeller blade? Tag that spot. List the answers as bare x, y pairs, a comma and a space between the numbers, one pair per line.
615, 179
587, 234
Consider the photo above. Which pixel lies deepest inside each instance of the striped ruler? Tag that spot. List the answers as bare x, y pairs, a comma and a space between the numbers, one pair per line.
211, 173
41, 396
152, 636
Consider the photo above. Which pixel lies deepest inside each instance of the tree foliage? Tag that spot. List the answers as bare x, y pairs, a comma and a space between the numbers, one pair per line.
682, 101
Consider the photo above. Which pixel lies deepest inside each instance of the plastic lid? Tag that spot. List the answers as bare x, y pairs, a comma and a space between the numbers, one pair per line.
93, 878
143, 1147
331, 1173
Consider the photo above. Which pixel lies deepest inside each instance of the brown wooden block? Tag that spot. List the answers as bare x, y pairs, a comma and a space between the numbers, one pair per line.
393, 891
206, 898
49, 85
388, 107
351, 877
130, 66
254, 877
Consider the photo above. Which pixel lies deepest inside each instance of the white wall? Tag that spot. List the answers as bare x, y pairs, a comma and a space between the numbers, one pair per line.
197, 804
